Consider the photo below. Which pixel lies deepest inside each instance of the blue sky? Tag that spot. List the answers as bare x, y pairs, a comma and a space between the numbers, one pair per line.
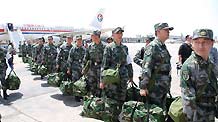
137, 16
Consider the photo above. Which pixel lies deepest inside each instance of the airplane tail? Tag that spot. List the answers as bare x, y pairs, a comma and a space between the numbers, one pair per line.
98, 20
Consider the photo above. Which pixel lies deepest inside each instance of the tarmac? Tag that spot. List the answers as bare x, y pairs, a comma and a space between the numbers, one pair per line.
36, 101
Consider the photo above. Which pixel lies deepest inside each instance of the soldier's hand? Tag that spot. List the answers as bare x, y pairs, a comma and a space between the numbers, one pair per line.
68, 72
130, 80
143, 92
57, 66
101, 85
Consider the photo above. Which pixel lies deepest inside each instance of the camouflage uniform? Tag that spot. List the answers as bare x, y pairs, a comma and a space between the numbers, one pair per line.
74, 61
198, 85
116, 93
24, 51
38, 53
49, 57
156, 68
63, 56
94, 53
3, 67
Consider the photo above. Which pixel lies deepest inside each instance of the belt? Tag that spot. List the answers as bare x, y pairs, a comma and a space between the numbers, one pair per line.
164, 72
96, 63
206, 100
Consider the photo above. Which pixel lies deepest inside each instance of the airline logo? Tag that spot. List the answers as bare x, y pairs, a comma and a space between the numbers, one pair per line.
100, 17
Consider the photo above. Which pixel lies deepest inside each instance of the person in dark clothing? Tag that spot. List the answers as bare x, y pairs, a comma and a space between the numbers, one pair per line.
185, 50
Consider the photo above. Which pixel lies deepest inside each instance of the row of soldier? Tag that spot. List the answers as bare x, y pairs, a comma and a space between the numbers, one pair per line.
155, 80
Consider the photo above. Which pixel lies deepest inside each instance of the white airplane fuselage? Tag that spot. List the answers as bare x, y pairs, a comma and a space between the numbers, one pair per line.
31, 32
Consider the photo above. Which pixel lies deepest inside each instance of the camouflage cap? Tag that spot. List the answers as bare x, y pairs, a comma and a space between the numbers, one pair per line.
149, 38
204, 33
78, 37
160, 26
96, 32
118, 29
69, 37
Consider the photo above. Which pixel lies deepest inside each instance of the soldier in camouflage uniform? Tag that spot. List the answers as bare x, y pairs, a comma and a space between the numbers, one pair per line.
116, 53
3, 68
38, 52
63, 56
138, 59
156, 67
24, 51
50, 55
75, 58
198, 81
94, 54
29, 49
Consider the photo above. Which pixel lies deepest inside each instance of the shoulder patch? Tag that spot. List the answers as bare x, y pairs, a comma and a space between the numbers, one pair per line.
148, 50
185, 75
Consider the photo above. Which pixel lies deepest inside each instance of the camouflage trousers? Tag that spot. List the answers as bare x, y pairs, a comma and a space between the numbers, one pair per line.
201, 114
75, 76
93, 77
112, 109
2, 79
51, 68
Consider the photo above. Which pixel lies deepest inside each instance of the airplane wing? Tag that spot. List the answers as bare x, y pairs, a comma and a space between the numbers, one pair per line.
82, 32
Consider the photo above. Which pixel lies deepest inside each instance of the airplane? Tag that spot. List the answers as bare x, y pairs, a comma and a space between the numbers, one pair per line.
17, 33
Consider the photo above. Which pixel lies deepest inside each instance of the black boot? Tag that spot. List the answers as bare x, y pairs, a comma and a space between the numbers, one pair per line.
78, 99
5, 95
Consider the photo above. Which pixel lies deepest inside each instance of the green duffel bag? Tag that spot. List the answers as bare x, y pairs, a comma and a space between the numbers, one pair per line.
111, 76
128, 109
55, 79
34, 67
42, 70
80, 87
176, 110
13, 81
94, 107
99, 108
134, 111
66, 87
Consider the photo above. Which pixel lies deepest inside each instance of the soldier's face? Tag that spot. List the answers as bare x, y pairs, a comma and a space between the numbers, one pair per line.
79, 42
69, 40
118, 36
164, 33
202, 46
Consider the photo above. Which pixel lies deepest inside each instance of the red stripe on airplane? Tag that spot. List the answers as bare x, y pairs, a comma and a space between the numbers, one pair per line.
2, 30
46, 30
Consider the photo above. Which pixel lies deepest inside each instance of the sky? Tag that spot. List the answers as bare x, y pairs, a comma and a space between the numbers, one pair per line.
136, 16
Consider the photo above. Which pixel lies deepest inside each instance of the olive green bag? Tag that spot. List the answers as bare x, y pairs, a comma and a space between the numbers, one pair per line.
111, 76
13, 81
176, 110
